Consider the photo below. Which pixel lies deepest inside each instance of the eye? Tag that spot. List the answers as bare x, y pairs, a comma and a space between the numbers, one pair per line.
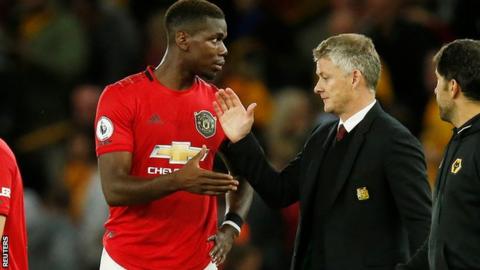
322, 76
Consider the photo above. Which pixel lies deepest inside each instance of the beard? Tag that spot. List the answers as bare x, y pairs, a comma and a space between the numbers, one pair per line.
445, 113
208, 75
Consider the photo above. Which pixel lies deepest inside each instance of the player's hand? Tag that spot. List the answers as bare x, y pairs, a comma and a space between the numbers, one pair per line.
224, 239
194, 179
236, 121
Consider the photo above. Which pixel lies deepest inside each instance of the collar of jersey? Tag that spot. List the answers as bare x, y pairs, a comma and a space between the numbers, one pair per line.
153, 79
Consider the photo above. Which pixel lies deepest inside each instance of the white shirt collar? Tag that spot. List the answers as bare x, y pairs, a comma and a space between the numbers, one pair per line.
353, 121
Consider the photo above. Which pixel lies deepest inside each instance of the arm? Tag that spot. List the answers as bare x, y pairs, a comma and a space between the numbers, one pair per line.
406, 174
121, 189
277, 189
239, 201
246, 157
3, 219
237, 204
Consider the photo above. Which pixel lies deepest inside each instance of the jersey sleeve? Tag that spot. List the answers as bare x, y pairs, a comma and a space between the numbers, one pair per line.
7, 175
114, 121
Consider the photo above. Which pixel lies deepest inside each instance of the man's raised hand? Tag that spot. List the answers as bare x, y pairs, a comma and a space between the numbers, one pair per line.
236, 121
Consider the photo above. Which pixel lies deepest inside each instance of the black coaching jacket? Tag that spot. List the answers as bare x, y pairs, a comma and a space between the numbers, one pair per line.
377, 212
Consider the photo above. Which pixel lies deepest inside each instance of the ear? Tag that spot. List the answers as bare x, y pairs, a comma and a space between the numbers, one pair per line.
356, 77
454, 88
182, 39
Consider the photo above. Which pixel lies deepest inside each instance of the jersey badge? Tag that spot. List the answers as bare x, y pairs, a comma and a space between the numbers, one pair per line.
104, 129
5, 192
456, 166
205, 123
362, 194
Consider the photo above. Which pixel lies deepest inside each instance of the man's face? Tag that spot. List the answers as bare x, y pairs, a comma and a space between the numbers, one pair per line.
207, 49
334, 87
444, 100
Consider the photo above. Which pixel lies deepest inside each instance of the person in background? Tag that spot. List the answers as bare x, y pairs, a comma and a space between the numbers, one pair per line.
454, 238
12, 214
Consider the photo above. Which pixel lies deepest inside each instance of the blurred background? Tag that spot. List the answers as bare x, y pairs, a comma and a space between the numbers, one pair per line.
57, 56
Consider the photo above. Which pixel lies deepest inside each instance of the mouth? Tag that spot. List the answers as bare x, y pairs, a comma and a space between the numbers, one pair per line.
218, 65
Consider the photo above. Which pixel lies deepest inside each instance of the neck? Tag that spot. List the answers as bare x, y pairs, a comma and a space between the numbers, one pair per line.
172, 73
464, 112
357, 105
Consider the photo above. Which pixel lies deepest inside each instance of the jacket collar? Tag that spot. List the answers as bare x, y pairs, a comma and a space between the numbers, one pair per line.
471, 126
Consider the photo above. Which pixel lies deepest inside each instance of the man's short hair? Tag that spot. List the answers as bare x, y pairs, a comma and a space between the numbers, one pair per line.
189, 14
350, 52
460, 60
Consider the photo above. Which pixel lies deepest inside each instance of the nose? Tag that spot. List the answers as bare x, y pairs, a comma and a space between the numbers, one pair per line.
317, 89
223, 49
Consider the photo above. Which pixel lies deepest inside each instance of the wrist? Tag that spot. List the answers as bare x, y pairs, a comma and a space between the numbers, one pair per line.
239, 138
230, 230
175, 184
233, 220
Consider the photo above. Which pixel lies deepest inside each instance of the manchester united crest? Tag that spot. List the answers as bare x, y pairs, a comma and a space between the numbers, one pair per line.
362, 194
205, 123
456, 166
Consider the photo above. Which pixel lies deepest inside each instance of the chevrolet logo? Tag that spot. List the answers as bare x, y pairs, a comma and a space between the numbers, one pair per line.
177, 153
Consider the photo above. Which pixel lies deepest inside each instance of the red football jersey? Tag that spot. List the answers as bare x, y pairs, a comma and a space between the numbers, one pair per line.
163, 129
14, 238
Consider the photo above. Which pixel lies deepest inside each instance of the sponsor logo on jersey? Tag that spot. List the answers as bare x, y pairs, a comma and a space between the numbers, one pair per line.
160, 170
456, 166
5, 192
177, 152
205, 123
5, 251
104, 129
